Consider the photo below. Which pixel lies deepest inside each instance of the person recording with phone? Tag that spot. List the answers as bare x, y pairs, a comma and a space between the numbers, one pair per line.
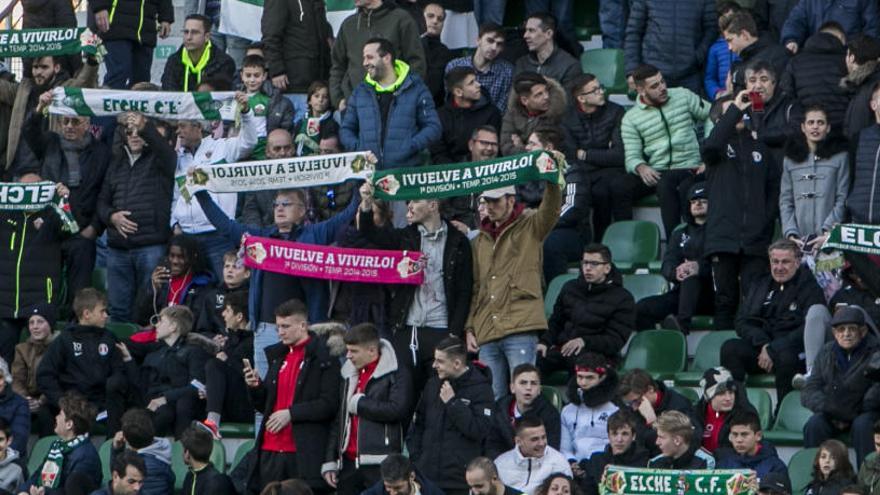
743, 189
773, 116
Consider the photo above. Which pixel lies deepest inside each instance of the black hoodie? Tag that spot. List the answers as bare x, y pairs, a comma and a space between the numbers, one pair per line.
695, 458
763, 49
601, 314
813, 77
458, 125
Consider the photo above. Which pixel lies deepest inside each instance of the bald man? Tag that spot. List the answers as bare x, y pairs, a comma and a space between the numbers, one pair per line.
258, 209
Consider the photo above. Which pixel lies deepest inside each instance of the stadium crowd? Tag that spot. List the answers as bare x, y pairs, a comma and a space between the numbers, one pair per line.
756, 124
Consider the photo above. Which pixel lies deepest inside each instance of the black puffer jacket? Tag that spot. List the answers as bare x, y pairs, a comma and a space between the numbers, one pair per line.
863, 203
93, 162
774, 314
859, 85
444, 437
688, 242
81, 358
132, 20
601, 314
780, 121
295, 35
144, 188
220, 66
457, 271
837, 386
30, 260
673, 35
315, 404
813, 77
458, 125
382, 410
597, 133
635, 456
501, 438
743, 182
764, 50
168, 370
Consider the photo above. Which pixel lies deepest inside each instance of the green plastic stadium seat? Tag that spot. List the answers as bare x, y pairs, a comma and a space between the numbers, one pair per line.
586, 19
789, 426
800, 469
237, 430
633, 243
645, 285
763, 380
702, 322
122, 330
707, 355
553, 291
689, 393
762, 402
104, 455
99, 279
607, 65
242, 451
651, 201
662, 353
553, 396
218, 458
38, 453
339, 4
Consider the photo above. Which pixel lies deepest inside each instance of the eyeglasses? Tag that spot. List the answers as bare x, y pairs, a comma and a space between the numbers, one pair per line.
72, 121
599, 89
285, 204
493, 144
593, 264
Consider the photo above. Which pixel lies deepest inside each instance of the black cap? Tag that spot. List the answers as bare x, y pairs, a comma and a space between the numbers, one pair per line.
697, 191
847, 315
776, 483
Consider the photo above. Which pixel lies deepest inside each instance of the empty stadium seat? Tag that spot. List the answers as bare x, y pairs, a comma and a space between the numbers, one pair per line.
761, 400
662, 353
104, 454
38, 453
553, 291
788, 429
237, 430
707, 355
645, 285
553, 396
122, 330
218, 459
689, 393
800, 469
607, 65
242, 451
99, 279
633, 243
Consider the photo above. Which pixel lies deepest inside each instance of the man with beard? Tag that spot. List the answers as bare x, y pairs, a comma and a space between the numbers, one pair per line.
482, 478
23, 98
493, 72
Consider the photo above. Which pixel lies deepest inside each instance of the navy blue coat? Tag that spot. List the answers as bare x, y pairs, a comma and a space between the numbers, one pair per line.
856, 16
14, 409
413, 124
82, 468
765, 461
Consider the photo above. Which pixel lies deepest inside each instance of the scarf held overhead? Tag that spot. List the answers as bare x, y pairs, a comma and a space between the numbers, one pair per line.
460, 179
51, 41
214, 105
34, 197
332, 263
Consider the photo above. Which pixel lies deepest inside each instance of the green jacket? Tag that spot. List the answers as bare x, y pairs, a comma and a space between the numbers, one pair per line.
869, 474
664, 137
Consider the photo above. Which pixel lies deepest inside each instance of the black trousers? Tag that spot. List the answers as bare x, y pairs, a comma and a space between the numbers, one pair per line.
734, 275
352, 480
693, 295
79, 257
741, 358
174, 417
601, 198
275, 466
10, 333
227, 393
671, 191
415, 347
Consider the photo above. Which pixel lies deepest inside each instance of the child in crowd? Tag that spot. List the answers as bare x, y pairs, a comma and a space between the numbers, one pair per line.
679, 446
623, 449
85, 359
721, 397
749, 450
235, 279
227, 393
271, 111
137, 434
202, 478
585, 420
832, 470
317, 122
28, 355
11, 474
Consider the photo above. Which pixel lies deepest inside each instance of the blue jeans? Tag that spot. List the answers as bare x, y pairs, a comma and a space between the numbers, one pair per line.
266, 334
214, 246
561, 9
127, 62
489, 11
819, 428
128, 271
503, 355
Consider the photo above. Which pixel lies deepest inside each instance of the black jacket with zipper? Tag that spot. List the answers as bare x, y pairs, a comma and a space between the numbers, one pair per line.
30, 260
295, 35
132, 20
457, 271
813, 77
220, 66
597, 133
842, 394
315, 404
382, 411
458, 125
743, 181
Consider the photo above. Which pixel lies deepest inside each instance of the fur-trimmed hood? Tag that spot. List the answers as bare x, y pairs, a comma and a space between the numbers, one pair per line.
796, 148
558, 101
333, 332
202, 342
855, 78
387, 363
596, 396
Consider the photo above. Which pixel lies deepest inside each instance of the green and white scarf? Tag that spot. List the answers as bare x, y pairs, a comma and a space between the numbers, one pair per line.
855, 237
51, 41
166, 105
34, 197
50, 474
